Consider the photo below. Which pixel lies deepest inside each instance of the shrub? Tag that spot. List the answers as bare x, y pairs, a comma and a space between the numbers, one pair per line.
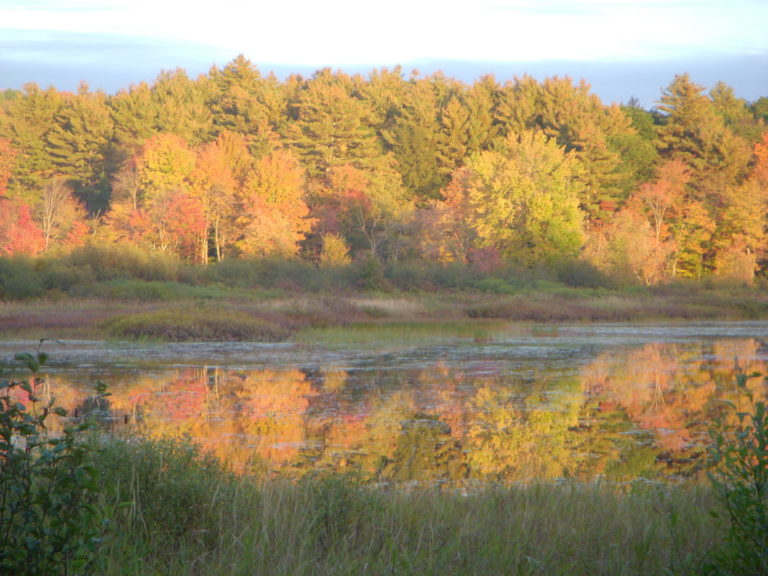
454, 275
49, 520
580, 274
19, 280
495, 286
59, 274
739, 474
335, 251
271, 273
113, 261
371, 275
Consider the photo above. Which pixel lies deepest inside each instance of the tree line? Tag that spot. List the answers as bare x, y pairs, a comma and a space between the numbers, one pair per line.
337, 167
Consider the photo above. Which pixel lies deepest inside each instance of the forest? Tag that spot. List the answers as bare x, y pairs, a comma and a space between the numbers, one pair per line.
340, 168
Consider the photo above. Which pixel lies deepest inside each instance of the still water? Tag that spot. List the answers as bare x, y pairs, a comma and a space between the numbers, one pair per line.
519, 403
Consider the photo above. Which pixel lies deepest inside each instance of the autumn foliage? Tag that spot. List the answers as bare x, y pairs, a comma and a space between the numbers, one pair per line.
334, 168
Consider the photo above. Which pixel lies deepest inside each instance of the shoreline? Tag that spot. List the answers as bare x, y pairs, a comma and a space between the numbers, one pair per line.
280, 317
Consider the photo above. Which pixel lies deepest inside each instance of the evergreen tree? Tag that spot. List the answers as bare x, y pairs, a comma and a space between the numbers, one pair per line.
244, 102
182, 106
135, 119
414, 140
330, 126
78, 144
29, 119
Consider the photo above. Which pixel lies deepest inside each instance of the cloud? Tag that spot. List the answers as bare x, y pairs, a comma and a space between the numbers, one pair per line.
137, 38
63, 59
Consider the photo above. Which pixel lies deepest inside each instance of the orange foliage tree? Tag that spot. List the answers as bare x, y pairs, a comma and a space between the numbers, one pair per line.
445, 228
222, 170
180, 224
273, 217
7, 159
663, 197
761, 159
628, 247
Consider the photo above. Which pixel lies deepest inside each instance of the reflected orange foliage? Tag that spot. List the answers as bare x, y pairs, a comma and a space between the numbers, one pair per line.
626, 410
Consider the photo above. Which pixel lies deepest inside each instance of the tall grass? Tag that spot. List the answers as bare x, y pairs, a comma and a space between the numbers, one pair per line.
175, 513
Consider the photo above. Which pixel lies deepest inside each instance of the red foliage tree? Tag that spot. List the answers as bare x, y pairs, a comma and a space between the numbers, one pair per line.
19, 233
180, 225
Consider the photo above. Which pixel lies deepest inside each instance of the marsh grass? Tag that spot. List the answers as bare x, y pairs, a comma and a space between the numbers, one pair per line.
575, 306
387, 332
195, 324
175, 511
250, 314
75, 319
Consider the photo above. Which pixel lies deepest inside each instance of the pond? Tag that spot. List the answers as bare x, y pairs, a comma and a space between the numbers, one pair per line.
509, 404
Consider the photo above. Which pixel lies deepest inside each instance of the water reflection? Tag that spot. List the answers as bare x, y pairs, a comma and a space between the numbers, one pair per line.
565, 408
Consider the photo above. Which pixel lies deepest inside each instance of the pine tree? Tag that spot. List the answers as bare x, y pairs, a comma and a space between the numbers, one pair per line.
78, 143
30, 117
414, 140
182, 106
330, 126
135, 119
244, 102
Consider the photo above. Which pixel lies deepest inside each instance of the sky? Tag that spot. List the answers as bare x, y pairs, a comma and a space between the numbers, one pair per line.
623, 48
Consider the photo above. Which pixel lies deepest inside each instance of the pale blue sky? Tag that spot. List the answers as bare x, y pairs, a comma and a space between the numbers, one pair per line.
623, 48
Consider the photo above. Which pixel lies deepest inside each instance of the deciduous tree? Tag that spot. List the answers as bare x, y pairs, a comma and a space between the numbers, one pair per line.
274, 216
526, 199
446, 230
19, 233
664, 196
222, 170
62, 216
165, 164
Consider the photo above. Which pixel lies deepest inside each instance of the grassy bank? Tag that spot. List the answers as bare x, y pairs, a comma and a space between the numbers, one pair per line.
172, 514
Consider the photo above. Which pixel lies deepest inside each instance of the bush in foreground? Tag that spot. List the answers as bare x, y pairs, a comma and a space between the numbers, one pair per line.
50, 522
739, 455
